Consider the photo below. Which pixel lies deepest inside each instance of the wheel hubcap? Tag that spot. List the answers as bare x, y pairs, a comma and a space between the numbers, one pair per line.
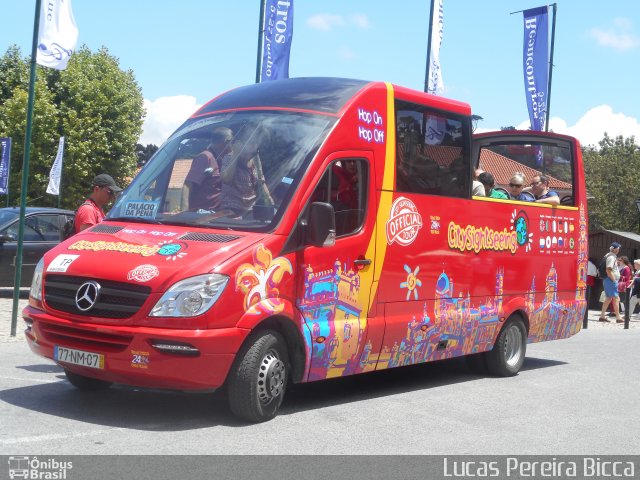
513, 346
271, 378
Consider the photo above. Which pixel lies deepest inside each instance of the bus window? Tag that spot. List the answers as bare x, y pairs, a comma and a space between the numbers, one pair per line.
523, 161
344, 185
430, 154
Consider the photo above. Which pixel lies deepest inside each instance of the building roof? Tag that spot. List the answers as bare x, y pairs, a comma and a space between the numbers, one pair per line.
180, 170
503, 168
442, 155
634, 237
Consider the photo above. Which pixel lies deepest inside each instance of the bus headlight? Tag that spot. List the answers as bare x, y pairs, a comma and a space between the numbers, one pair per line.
190, 297
36, 283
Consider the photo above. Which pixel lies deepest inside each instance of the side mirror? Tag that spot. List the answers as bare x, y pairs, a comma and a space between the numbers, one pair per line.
5, 237
321, 225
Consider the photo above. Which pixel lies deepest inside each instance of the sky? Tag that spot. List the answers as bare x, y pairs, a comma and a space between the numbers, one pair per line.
185, 53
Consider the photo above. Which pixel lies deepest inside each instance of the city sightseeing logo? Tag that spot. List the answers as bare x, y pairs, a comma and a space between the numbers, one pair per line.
33, 468
475, 239
520, 225
404, 222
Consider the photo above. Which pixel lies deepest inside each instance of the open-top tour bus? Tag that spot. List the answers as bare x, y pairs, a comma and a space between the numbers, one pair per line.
358, 246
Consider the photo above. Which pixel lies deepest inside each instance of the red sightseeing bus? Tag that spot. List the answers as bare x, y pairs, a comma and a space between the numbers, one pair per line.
341, 237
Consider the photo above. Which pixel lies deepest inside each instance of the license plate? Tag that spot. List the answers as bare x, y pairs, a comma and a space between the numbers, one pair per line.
78, 357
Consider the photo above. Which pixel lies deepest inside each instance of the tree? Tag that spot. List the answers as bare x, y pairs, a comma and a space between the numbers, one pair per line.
15, 72
144, 153
93, 103
612, 174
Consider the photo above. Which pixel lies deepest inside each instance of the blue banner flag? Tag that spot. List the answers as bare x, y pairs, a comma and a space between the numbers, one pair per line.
5, 162
535, 63
276, 40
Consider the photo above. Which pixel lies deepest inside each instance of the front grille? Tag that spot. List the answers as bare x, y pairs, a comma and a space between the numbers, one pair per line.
78, 337
105, 229
116, 300
208, 237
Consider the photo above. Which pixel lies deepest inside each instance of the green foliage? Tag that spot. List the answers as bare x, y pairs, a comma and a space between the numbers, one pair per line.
612, 175
144, 153
15, 72
95, 105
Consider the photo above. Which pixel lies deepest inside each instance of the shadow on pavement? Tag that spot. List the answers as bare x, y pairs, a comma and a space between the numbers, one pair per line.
437, 374
160, 410
6, 292
44, 368
536, 363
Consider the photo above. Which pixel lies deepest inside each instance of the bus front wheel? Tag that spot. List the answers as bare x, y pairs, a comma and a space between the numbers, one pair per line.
507, 356
258, 379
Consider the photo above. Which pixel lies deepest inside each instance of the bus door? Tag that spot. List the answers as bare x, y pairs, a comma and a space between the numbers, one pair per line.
335, 282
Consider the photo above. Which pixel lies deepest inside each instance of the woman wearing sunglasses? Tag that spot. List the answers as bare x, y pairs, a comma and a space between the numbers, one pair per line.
516, 186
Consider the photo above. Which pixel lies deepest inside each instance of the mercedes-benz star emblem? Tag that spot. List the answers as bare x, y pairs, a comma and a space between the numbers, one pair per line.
87, 295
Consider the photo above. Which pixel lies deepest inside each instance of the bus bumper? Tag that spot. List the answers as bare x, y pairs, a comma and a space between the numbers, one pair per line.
138, 356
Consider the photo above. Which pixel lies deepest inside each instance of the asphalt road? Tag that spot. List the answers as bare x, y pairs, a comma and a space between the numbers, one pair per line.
577, 396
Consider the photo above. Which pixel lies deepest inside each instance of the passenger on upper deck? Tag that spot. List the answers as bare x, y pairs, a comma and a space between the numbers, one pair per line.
516, 185
540, 189
477, 188
489, 182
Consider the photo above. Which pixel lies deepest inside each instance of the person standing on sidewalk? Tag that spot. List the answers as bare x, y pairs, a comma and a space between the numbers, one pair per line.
610, 283
635, 287
624, 283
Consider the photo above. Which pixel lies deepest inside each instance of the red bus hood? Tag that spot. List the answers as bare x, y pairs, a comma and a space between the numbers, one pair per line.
153, 255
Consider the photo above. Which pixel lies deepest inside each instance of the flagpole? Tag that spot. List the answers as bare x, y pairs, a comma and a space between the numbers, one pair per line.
426, 75
553, 38
25, 171
260, 35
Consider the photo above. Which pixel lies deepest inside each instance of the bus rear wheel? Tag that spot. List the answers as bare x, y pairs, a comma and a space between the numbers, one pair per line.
507, 356
258, 380
86, 384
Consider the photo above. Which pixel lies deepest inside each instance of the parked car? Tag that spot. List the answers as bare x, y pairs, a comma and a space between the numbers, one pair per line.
42, 231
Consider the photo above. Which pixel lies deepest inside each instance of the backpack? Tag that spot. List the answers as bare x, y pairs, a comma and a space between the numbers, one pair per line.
602, 266
69, 227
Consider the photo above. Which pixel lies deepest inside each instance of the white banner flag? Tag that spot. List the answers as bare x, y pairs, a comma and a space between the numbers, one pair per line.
436, 85
56, 171
57, 35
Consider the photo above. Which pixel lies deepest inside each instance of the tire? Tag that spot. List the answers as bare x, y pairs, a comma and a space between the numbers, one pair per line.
507, 356
86, 384
258, 379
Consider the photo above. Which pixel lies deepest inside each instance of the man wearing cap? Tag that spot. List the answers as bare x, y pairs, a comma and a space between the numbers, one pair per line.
610, 283
90, 212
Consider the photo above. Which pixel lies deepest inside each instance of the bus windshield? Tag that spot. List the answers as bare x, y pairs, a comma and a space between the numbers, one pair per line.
234, 170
